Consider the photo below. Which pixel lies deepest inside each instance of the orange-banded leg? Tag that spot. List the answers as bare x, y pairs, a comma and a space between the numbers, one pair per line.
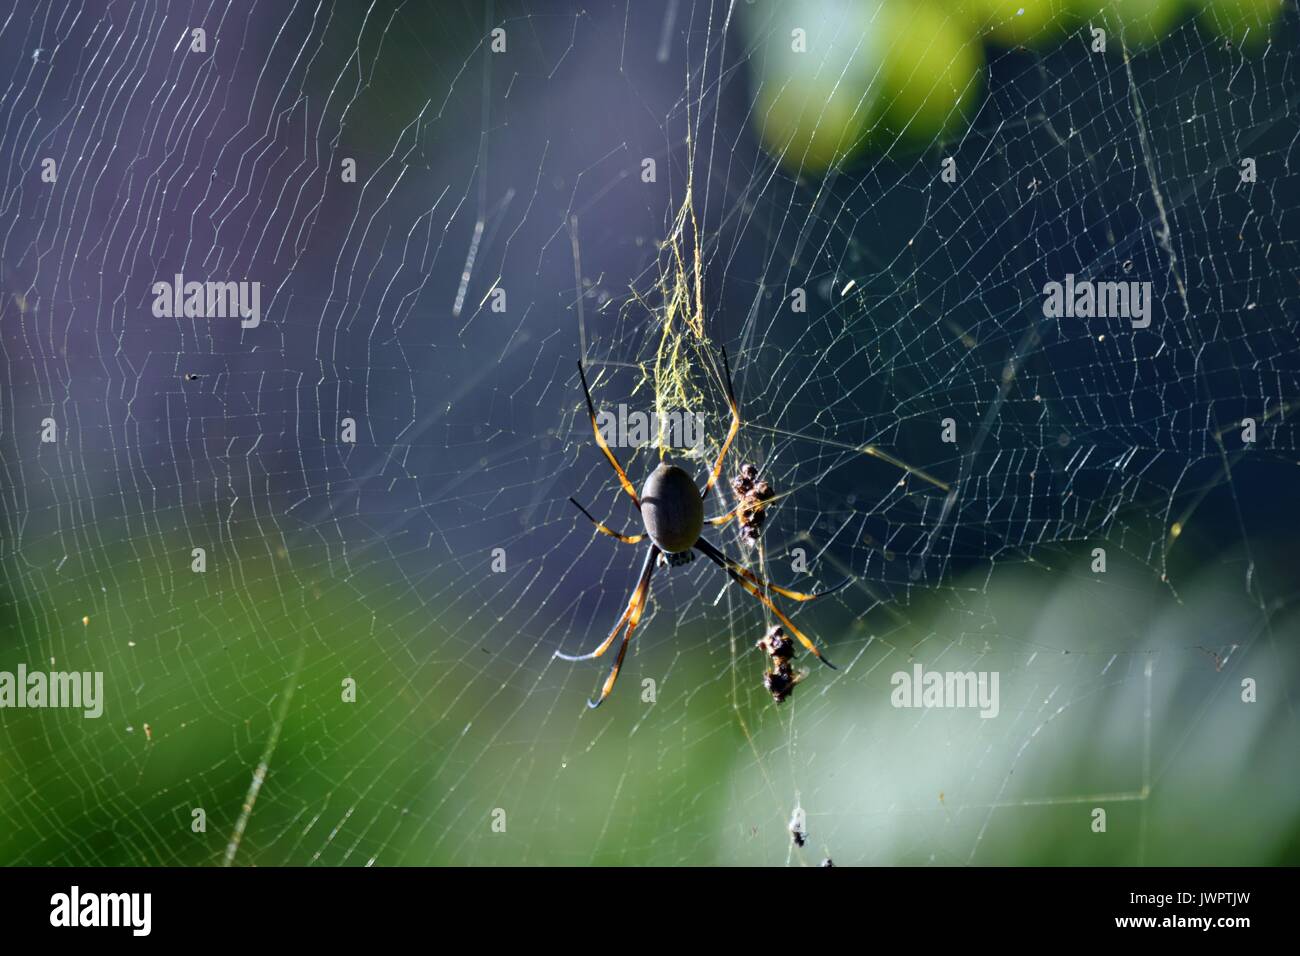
720, 520
720, 559
600, 440
625, 538
731, 432
632, 617
784, 592
604, 646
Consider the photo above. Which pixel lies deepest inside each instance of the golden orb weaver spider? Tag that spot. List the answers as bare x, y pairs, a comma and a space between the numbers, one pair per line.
672, 517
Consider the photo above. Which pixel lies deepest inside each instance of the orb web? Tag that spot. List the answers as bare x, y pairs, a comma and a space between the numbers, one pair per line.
598, 190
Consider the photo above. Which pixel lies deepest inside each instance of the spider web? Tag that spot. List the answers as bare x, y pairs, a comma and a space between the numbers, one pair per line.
499, 228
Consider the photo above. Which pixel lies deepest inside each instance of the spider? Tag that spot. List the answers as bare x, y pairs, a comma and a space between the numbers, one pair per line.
672, 517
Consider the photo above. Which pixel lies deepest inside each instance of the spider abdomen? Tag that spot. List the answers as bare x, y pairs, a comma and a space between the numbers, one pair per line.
671, 509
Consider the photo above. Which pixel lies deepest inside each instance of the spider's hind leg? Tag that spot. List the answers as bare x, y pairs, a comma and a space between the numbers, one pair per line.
721, 560
636, 607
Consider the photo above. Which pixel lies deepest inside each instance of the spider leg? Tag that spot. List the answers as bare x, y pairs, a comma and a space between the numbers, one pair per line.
784, 592
720, 520
720, 559
731, 432
633, 616
592, 655
600, 440
625, 538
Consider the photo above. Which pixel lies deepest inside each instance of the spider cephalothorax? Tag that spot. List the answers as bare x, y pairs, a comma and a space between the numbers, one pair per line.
672, 517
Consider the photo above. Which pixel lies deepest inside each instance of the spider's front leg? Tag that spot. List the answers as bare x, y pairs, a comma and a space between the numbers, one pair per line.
600, 440
731, 432
625, 538
720, 520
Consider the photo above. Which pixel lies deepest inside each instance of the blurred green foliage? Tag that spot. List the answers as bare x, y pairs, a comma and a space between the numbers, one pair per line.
444, 733
880, 72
